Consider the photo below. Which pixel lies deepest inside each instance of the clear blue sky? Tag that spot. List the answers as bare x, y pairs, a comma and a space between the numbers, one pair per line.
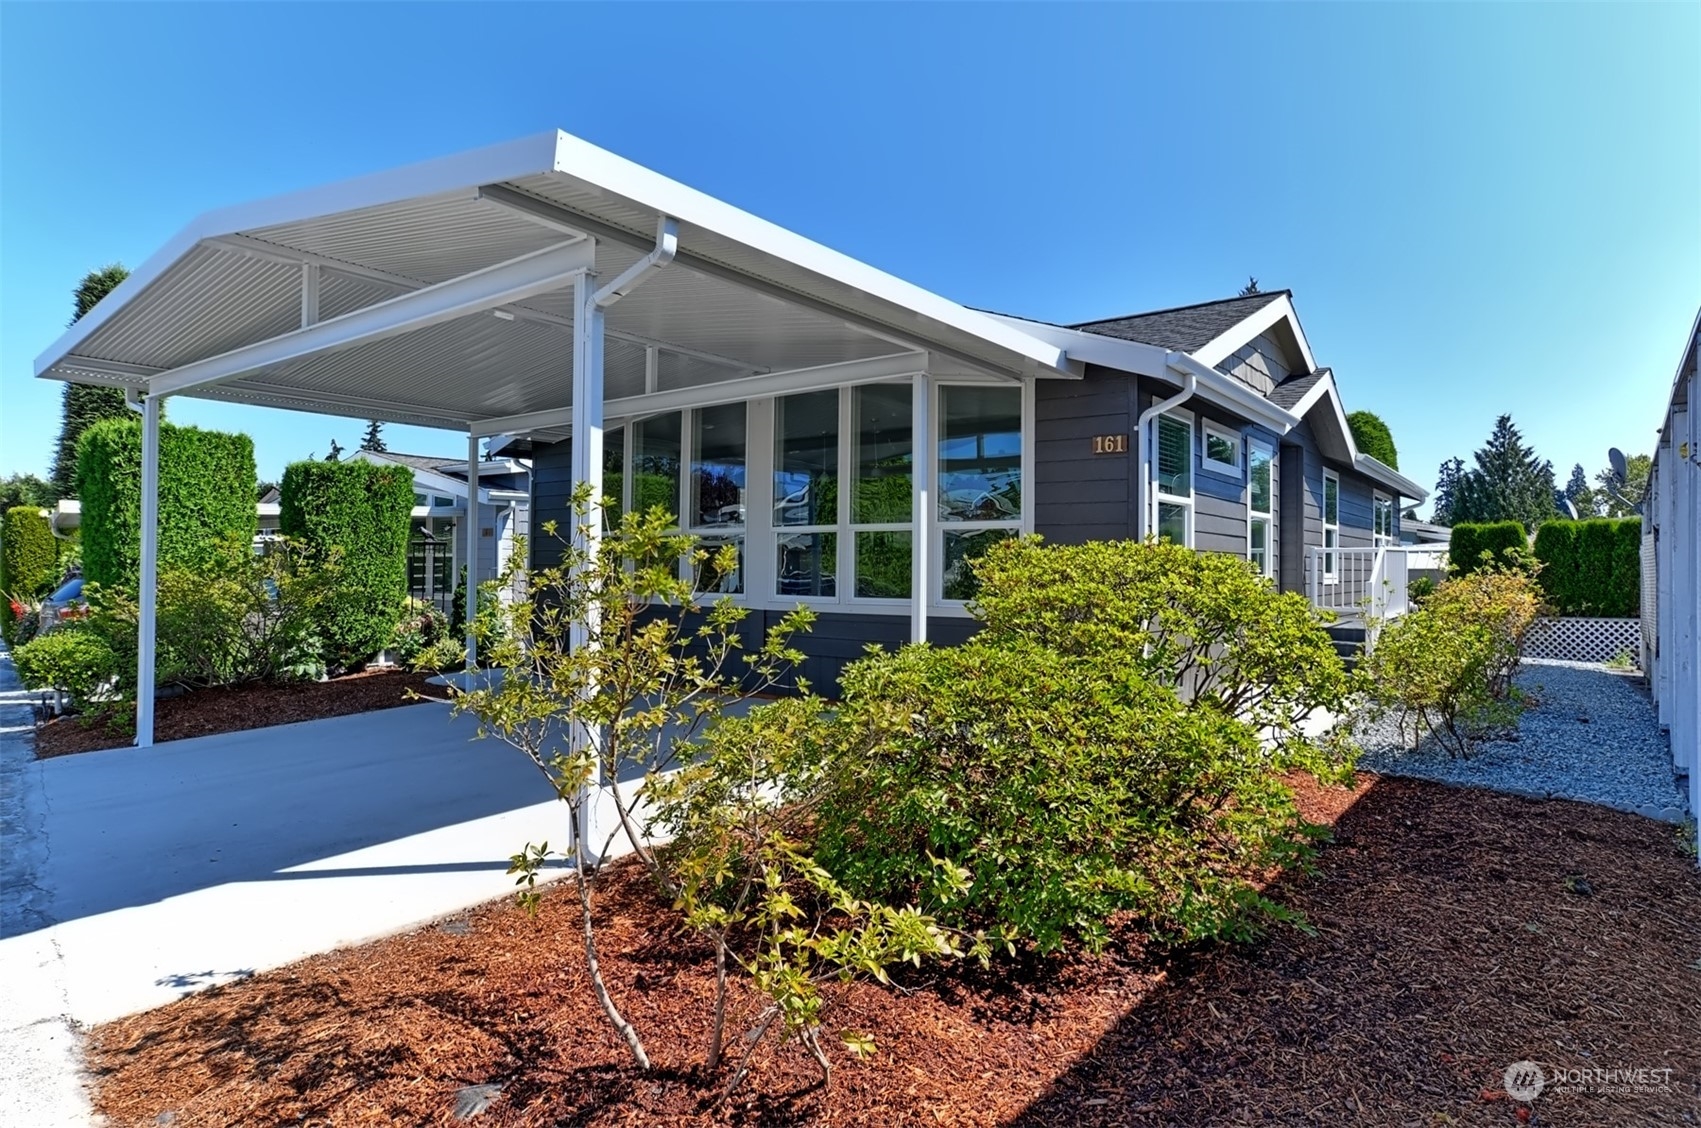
1480, 208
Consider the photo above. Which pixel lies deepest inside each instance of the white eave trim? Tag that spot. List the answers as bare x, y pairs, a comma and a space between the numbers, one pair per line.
1246, 331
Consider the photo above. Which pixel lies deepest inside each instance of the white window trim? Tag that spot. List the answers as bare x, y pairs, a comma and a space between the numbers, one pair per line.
1332, 553
688, 505
1269, 516
1208, 430
1158, 496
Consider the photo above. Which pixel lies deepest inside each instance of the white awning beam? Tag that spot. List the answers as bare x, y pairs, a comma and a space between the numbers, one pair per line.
514, 280
897, 366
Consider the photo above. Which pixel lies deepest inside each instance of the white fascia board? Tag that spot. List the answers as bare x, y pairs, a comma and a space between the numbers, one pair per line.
581, 160
895, 367
514, 280
1214, 387
1243, 333
1381, 472
450, 176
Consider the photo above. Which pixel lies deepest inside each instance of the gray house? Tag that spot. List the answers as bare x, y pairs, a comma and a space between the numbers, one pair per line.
1210, 425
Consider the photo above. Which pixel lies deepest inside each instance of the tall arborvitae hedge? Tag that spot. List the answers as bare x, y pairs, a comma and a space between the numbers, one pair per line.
28, 558
206, 497
365, 511
1373, 437
1504, 539
1592, 568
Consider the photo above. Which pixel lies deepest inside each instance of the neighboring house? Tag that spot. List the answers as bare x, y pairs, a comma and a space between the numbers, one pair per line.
437, 548
1422, 532
67, 515
1671, 557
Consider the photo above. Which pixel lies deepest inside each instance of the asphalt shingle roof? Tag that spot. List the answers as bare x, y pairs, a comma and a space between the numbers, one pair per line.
1293, 389
1184, 328
436, 463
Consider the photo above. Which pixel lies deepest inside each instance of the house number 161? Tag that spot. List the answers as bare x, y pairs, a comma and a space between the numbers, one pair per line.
1110, 444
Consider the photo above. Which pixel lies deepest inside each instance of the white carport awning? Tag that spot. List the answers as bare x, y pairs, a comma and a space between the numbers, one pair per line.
465, 265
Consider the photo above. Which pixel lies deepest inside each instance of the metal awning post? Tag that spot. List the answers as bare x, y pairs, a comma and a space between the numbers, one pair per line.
471, 601
148, 581
920, 463
587, 529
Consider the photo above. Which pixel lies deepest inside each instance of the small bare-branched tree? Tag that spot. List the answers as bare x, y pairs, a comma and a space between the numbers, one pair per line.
610, 664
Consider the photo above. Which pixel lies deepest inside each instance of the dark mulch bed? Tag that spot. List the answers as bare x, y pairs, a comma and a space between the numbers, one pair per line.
1449, 944
203, 712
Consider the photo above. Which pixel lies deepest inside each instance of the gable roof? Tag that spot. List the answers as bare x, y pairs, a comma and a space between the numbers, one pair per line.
1184, 328
1291, 391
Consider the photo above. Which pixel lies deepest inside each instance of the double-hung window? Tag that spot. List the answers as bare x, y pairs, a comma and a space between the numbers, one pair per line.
1331, 525
1260, 505
980, 478
1172, 475
1382, 514
1221, 451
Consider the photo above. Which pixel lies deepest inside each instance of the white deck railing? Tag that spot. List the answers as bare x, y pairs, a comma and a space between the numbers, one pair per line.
1362, 583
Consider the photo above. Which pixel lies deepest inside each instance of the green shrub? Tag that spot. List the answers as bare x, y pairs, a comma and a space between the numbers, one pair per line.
1506, 542
1445, 669
28, 564
361, 512
421, 627
1592, 567
1203, 624
206, 497
1071, 789
1420, 589
72, 659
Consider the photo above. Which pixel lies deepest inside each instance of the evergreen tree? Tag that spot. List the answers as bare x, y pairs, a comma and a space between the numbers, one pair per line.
1446, 495
374, 439
1619, 499
1578, 493
85, 403
1509, 483
1250, 288
335, 454
1371, 436
25, 489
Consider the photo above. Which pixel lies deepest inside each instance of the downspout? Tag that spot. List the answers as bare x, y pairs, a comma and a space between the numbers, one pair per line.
1189, 385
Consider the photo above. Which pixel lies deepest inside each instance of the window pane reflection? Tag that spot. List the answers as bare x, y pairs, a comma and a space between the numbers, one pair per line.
980, 454
655, 464
883, 565
884, 453
717, 466
806, 563
961, 550
806, 459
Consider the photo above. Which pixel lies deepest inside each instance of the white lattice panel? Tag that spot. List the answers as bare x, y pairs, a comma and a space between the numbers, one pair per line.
1584, 640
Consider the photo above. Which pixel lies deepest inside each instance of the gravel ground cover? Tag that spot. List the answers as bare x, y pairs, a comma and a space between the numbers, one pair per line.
1592, 736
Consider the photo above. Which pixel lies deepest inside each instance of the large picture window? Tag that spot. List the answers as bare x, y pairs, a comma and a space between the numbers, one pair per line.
1172, 474
1331, 525
980, 478
1260, 505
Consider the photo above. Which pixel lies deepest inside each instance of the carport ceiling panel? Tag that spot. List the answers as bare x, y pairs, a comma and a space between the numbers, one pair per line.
430, 240
213, 301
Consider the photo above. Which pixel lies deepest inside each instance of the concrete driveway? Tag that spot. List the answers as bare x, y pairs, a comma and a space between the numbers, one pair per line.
131, 877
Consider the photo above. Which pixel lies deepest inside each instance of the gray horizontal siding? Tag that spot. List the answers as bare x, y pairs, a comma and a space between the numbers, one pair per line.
1078, 495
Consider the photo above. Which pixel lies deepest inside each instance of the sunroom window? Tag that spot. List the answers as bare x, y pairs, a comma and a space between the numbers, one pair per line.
1172, 471
806, 494
882, 490
655, 463
980, 478
716, 509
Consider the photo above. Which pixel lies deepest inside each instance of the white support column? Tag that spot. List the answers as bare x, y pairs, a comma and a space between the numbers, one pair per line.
921, 462
472, 549
149, 579
587, 470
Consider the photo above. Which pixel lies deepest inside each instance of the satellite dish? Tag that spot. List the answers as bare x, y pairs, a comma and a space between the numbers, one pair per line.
1620, 471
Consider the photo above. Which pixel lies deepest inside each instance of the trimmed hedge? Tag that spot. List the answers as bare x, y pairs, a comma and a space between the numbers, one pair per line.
1470, 541
206, 497
1592, 567
365, 512
1372, 437
28, 558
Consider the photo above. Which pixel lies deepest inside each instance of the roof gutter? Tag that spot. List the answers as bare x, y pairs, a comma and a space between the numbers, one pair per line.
1233, 394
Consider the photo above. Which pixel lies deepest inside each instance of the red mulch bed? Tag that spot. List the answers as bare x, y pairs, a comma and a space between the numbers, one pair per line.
204, 712
1448, 944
